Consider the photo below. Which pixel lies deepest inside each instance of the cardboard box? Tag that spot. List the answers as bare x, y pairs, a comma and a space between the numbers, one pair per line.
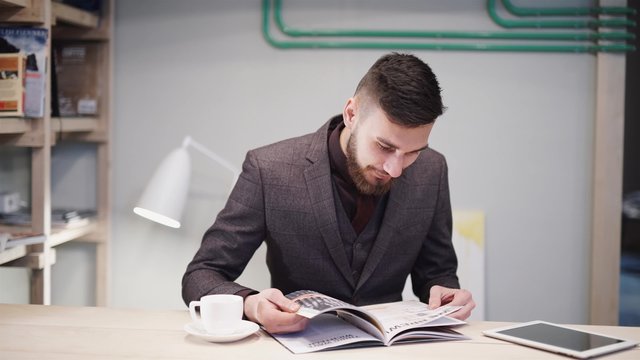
77, 78
32, 42
12, 80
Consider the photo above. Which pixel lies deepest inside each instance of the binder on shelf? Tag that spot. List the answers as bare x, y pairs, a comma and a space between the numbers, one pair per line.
55, 109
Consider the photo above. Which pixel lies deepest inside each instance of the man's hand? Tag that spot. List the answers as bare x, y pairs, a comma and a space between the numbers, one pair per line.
439, 296
274, 311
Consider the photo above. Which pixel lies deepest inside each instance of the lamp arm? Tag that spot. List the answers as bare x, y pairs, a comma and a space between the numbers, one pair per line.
188, 141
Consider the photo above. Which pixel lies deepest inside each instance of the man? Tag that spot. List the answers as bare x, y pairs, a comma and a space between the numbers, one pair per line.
349, 211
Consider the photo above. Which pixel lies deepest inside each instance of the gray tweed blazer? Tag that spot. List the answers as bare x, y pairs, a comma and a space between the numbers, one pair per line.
284, 197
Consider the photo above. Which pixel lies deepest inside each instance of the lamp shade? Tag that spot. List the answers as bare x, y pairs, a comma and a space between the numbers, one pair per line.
164, 198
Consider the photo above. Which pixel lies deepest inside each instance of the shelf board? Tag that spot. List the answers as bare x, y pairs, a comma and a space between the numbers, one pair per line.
61, 236
14, 125
12, 254
70, 15
15, 228
14, 3
22, 11
34, 260
21, 132
58, 236
74, 124
74, 128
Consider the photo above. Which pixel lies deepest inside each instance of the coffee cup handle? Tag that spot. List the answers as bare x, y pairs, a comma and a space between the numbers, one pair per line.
192, 310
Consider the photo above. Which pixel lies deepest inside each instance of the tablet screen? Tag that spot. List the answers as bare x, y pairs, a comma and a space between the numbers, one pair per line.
561, 337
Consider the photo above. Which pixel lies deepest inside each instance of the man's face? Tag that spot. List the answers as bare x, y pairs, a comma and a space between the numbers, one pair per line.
378, 150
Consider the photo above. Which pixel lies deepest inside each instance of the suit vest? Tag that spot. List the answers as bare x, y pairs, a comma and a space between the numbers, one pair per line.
357, 247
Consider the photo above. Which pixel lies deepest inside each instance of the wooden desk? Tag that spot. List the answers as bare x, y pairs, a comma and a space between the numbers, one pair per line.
55, 332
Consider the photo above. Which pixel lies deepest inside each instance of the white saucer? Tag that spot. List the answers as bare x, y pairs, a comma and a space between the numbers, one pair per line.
245, 329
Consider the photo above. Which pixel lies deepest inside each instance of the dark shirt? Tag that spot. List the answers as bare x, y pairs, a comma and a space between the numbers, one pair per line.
359, 207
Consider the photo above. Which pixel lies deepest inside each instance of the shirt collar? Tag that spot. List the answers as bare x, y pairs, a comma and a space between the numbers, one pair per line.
337, 158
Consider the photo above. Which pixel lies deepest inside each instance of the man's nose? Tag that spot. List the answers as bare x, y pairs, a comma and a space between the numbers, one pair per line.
393, 166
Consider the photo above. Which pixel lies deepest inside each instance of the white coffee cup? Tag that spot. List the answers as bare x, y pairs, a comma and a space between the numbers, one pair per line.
219, 313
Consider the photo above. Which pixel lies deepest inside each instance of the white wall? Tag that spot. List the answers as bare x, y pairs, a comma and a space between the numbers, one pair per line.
518, 136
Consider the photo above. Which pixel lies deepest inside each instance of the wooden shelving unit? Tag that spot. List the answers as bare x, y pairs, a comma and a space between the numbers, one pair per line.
64, 23
26, 11
12, 254
66, 14
75, 125
14, 3
61, 236
14, 126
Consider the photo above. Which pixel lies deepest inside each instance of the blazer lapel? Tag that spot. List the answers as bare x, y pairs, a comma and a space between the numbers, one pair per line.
320, 189
385, 234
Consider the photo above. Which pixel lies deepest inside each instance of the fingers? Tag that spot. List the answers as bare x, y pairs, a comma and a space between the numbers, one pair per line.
276, 297
464, 298
464, 312
276, 321
274, 312
436, 296
459, 297
439, 296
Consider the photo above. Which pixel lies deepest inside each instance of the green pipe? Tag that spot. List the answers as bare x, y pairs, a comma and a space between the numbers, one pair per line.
284, 44
583, 36
573, 11
586, 23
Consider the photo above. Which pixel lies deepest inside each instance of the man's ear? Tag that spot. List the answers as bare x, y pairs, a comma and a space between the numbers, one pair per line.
349, 113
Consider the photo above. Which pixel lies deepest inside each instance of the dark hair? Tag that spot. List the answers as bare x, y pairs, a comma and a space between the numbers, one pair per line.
405, 88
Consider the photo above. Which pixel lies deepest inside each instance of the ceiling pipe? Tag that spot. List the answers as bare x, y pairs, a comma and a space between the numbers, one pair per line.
286, 44
562, 24
502, 35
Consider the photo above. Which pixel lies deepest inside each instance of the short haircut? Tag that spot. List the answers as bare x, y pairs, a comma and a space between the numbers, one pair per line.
405, 88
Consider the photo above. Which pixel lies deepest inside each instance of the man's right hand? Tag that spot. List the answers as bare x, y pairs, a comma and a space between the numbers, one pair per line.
274, 311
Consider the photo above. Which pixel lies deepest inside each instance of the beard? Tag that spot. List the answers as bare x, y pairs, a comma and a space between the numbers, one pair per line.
357, 173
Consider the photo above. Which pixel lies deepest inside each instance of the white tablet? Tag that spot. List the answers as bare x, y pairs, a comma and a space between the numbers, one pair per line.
560, 339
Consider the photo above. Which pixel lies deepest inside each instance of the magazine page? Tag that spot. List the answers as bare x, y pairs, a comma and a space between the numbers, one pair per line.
368, 324
394, 318
314, 303
436, 333
325, 331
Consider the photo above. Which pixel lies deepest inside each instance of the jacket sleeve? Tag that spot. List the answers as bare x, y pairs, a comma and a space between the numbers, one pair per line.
437, 262
228, 245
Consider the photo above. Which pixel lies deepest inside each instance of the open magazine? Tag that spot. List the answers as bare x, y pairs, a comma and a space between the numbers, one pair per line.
336, 324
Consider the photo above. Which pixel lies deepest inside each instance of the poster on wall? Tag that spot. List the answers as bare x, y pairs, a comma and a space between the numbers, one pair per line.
468, 240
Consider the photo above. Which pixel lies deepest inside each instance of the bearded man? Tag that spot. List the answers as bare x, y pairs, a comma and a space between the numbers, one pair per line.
349, 211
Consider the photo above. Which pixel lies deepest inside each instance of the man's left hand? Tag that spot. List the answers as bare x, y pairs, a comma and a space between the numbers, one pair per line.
439, 295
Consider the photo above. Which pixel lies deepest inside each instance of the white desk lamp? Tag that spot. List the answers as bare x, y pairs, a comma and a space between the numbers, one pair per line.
166, 193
